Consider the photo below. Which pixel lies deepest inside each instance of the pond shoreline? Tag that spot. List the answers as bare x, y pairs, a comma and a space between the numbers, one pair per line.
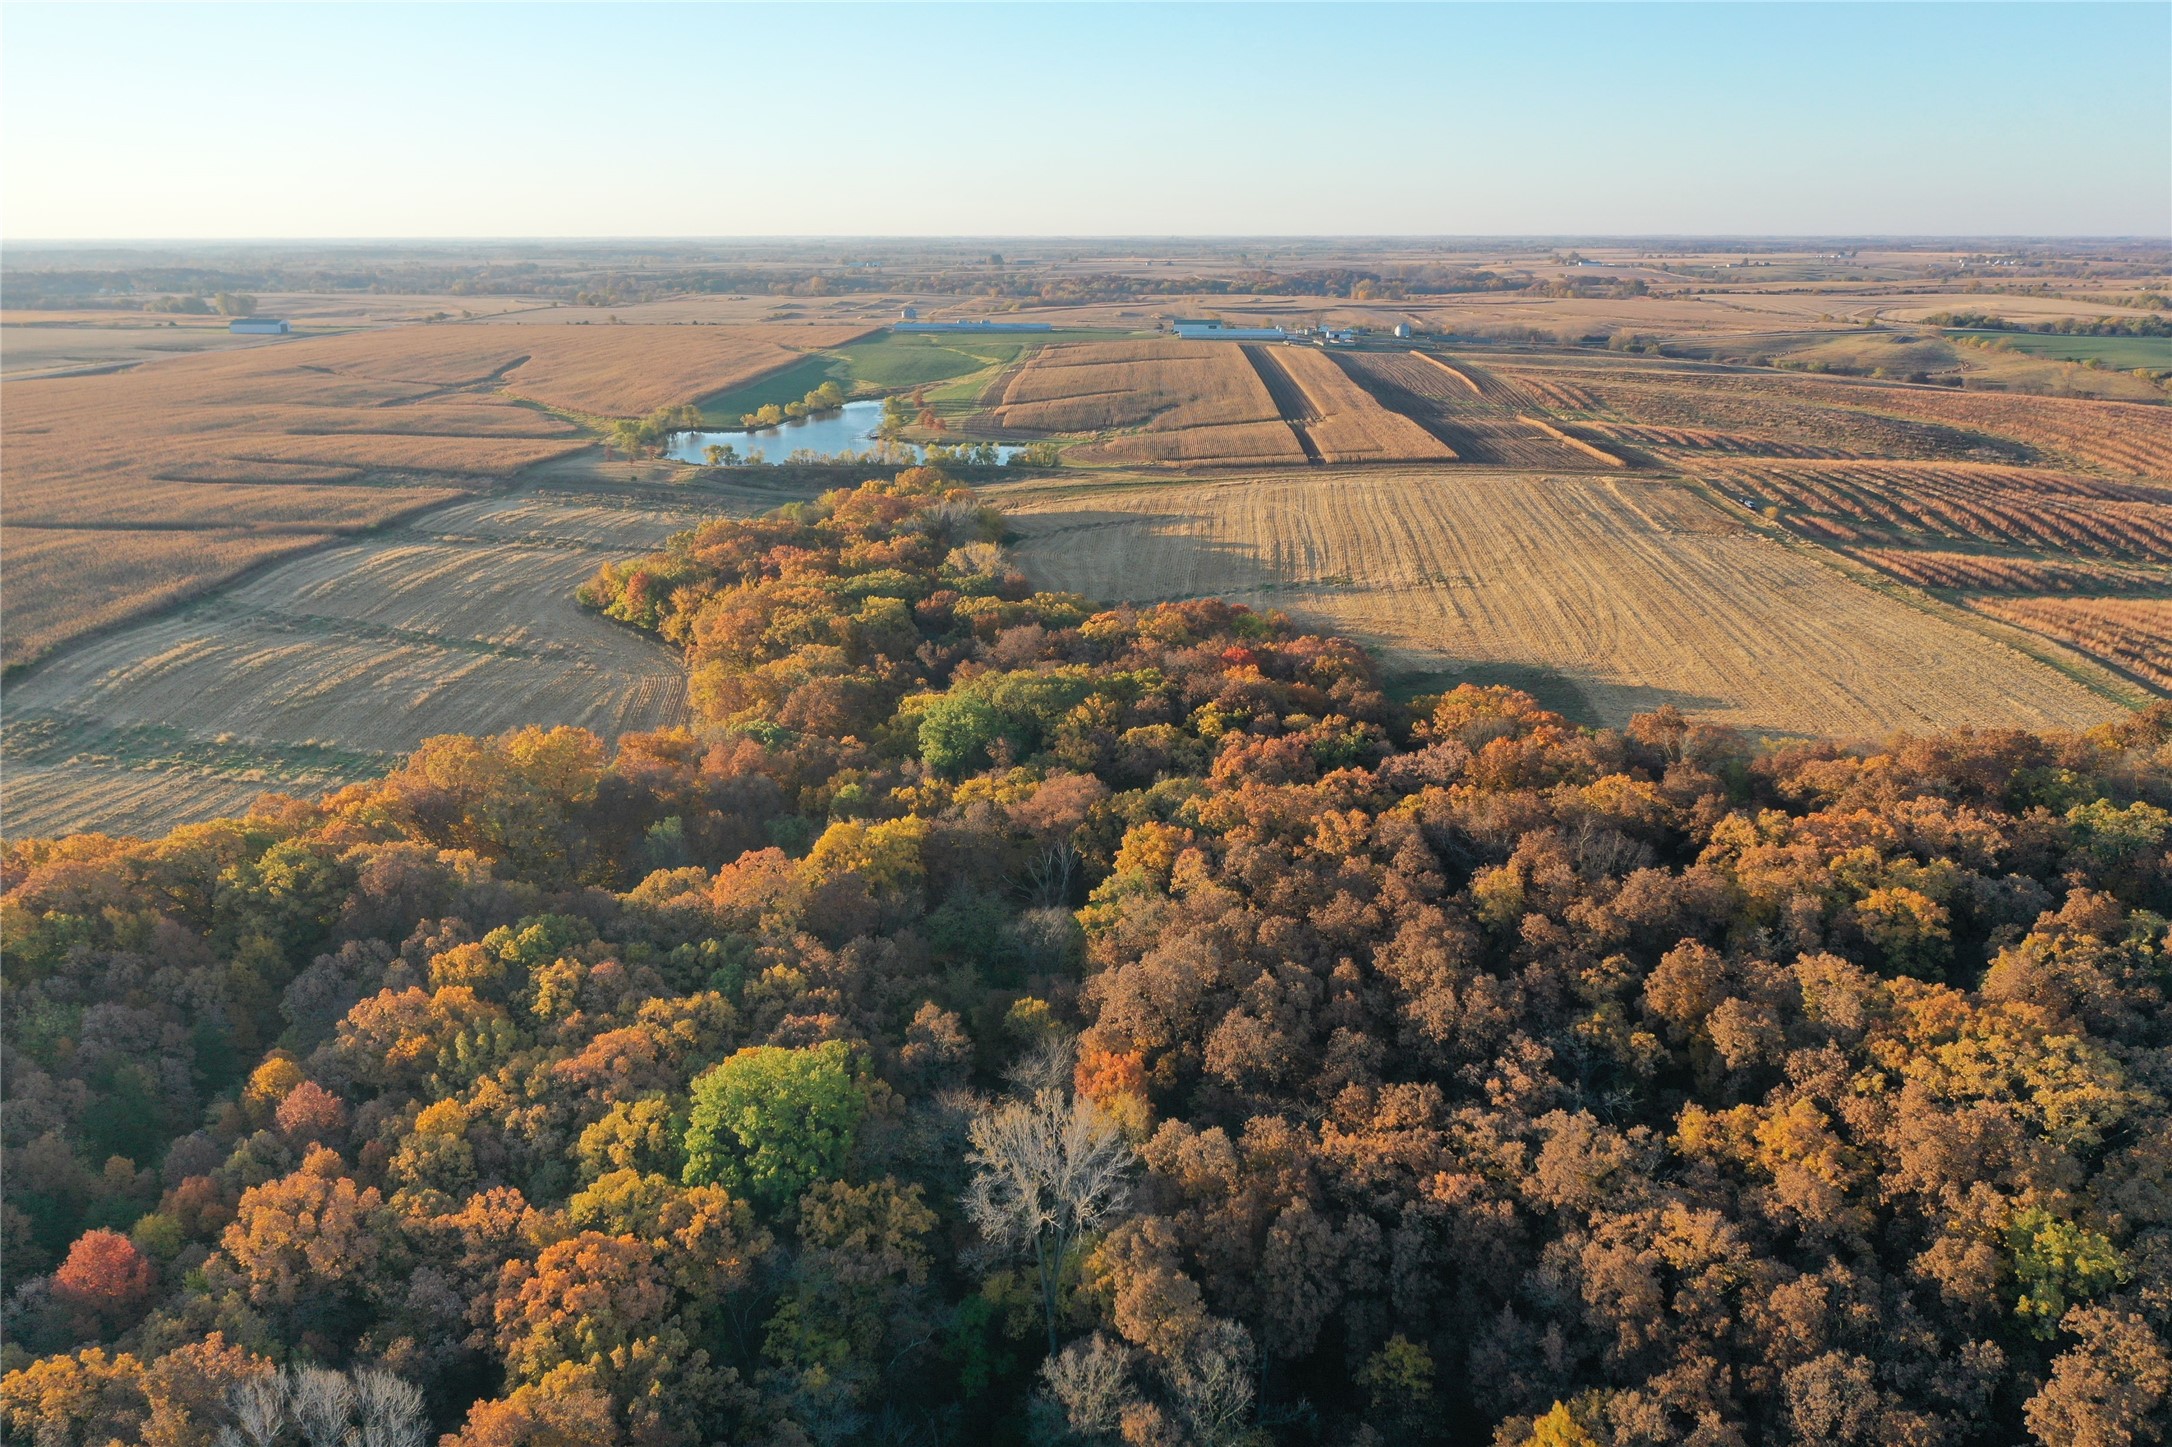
847, 430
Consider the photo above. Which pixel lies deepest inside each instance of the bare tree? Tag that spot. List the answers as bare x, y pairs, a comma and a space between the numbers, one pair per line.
1091, 1381
1048, 1170
1211, 1382
389, 1410
323, 1403
260, 1411
372, 1408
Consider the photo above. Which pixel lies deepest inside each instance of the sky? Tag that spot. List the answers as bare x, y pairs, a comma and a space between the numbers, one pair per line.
573, 120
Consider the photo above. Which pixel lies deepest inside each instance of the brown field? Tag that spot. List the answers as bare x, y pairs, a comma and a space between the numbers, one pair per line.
1939, 503
2114, 436
324, 669
1985, 572
1569, 439
318, 435
1698, 439
601, 369
1766, 413
1610, 595
1470, 409
1338, 420
1160, 385
2133, 634
1243, 444
116, 573
45, 348
1861, 418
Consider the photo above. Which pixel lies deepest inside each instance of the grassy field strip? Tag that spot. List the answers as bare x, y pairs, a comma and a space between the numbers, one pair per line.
1639, 593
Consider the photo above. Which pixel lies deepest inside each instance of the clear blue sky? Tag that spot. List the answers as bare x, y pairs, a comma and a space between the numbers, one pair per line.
684, 120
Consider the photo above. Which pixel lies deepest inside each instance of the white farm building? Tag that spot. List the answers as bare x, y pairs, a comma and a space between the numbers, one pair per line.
259, 326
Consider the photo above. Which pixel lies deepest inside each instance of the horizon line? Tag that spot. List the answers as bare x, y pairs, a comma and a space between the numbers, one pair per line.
1059, 236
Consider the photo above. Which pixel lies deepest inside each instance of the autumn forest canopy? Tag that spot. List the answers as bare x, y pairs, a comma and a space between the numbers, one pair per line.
1007, 1018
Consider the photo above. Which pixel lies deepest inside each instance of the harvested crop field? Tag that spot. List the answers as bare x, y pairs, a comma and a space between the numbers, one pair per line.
280, 445
1938, 503
328, 667
613, 371
1335, 418
1620, 595
66, 582
1998, 572
45, 348
1095, 386
2132, 634
1760, 413
1468, 408
2117, 437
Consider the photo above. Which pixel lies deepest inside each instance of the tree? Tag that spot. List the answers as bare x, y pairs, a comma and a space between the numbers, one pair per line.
2109, 1389
105, 1277
2056, 1262
1090, 1382
772, 1120
309, 1235
1048, 1171
371, 1408
588, 1301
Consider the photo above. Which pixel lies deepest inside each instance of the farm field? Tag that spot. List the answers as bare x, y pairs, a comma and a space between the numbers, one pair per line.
2154, 353
1149, 401
1523, 514
274, 447
1335, 418
2135, 634
891, 361
1483, 419
1612, 595
1184, 403
36, 349
326, 668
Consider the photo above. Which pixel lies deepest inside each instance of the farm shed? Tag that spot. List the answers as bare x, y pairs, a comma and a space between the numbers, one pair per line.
1209, 331
260, 326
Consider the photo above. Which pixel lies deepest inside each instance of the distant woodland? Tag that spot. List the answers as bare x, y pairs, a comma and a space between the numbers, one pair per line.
1005, 1018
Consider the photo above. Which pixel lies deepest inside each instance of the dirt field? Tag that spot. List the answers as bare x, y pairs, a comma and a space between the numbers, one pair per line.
324, 669
1611, 596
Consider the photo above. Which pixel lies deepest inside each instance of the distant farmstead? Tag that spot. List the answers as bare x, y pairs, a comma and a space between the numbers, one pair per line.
259, 326
918, 326
1214, 331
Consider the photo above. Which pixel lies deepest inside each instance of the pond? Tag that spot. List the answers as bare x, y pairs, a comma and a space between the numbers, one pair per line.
851, 428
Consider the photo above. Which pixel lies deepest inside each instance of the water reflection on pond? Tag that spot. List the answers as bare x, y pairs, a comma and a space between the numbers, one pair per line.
851, 428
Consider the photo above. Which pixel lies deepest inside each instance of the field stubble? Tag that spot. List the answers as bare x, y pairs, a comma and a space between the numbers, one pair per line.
1636, 593
281, 445
326, 668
